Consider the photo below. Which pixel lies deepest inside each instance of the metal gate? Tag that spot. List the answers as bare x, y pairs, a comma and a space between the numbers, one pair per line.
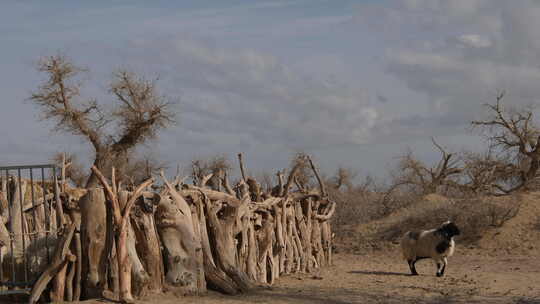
29, 228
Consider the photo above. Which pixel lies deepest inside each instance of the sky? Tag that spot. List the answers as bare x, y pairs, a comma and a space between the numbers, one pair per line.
353, 83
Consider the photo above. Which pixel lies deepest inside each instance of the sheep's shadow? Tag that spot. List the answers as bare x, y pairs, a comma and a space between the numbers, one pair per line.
382, 273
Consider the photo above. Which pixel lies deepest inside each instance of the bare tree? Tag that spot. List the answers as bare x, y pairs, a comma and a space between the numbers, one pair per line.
215, 165
140, 168
304, 173
266, 181
428, 179
74, 170
484, 170
343, 178
513, 132
367, 184
139, 112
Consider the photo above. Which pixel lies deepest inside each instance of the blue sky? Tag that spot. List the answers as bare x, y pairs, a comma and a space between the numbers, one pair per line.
354, 83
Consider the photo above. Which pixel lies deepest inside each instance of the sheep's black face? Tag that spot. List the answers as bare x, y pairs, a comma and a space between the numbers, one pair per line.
450, 229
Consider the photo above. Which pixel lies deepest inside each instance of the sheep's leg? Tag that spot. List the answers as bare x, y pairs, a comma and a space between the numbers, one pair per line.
412, 263
412, 267
441, 267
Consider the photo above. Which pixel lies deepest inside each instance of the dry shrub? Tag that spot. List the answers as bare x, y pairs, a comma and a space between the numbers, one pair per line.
358, 206
352, 207
498, 214
473, 216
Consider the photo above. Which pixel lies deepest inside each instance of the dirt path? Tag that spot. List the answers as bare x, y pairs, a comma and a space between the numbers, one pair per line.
384, 279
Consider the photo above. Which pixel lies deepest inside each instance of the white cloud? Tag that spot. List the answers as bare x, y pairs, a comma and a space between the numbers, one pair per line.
398, 71
252, 93
453, 7
429, 60
459, 54
476, 41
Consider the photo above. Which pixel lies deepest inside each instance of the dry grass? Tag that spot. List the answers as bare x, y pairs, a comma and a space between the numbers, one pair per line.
370, 221
473, 216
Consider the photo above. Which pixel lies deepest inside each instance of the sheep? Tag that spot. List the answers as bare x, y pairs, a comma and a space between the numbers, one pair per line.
437, 244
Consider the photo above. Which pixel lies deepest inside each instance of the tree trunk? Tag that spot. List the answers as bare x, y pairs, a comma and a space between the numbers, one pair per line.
17, 224
223, 239
69, 280
59, 284
215, 277
124, 265
148, 246
94, 234
176, 228
78, 264
140, 278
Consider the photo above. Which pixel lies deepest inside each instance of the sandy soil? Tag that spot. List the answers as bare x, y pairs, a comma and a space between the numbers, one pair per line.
377, 278
471, 277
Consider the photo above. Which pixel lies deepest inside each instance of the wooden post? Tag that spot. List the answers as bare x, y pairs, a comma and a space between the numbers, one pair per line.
242, 170
121, 219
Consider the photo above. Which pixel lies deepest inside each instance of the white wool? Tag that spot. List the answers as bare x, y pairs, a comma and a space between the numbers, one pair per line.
425, 245
437, 244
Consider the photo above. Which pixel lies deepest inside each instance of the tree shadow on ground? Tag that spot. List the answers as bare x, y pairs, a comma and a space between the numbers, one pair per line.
284, 295
383, 273
528, 301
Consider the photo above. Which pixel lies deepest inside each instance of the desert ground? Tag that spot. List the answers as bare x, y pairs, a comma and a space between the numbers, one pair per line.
382, 277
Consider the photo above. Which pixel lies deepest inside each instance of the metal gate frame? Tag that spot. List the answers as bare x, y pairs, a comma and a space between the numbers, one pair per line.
23, 280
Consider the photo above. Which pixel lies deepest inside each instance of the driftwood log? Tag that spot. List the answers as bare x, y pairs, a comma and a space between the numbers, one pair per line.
182, 244
126, 243
147, 244
93, 240
121, 214
61, 257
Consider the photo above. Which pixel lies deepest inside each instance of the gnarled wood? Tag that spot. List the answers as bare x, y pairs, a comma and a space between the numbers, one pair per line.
223, 239
121, 219
61, 257
228, 241
148, 246
176, 228
93, 240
